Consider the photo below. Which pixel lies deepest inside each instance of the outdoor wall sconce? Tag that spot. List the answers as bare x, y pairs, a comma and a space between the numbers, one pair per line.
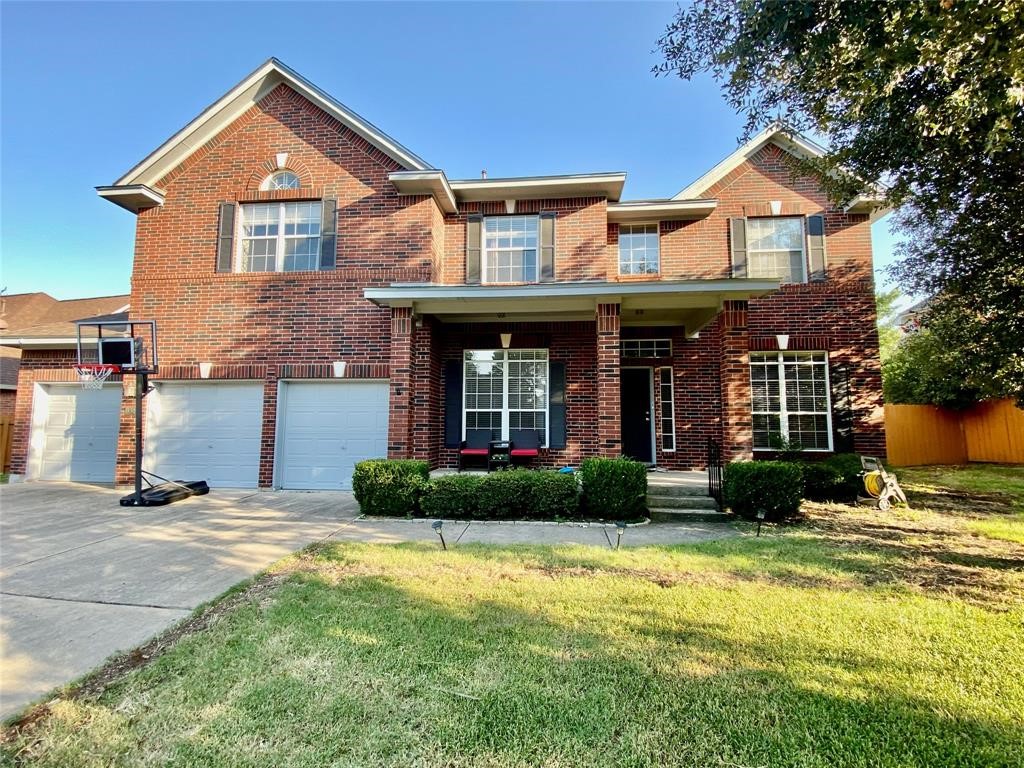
205, 369
338, 367
506, 340
782, 340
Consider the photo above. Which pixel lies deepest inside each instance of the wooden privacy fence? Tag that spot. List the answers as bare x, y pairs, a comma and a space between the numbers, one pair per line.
6, 430
926, 434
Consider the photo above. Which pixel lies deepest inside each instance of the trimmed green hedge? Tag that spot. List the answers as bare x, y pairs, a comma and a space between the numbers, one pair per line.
452, 496
849, 468
774, 486
390, 487
614, 489
821, 481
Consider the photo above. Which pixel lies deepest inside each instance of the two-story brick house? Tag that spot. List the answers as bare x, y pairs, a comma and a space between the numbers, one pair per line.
324, 295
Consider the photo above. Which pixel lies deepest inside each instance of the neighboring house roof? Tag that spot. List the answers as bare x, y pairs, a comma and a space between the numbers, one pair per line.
55, 326
791, 142
137, 189
909, 320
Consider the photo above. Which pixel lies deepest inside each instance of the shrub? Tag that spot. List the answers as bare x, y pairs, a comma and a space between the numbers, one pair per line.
614, 489
521, 494
848, 466
452, 496
774, 486
389, 487
821, 481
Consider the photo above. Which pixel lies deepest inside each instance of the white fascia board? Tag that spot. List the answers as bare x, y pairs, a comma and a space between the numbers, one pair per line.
9, 387
412, 291
607, 185
243, 96
132, 197
661, 210
43, 343
433, 183
793, 143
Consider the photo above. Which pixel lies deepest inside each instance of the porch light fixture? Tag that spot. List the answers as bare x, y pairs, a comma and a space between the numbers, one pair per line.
339, 368
437, 525
506, 340
205, 369
782, 340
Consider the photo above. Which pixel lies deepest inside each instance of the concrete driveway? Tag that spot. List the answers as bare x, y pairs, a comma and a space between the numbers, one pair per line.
82, 578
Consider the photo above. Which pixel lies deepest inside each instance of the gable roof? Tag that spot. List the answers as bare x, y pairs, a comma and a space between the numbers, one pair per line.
789, 141
137, 188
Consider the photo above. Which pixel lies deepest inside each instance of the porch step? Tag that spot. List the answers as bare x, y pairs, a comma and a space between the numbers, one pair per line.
663, 501
675, 515
658, 487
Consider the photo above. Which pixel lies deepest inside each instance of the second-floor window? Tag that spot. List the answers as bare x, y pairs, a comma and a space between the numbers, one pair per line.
510, 249
638, 249
279, 237
775, 248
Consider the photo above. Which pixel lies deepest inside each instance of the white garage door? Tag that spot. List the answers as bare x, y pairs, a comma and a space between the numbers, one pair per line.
74, 433
208, 431
326, 427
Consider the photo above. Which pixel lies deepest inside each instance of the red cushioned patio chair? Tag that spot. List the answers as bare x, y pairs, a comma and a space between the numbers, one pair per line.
525, 444
474, 446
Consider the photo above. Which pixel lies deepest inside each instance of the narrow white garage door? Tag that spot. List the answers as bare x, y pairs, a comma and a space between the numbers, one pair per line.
326, 427
74, 433
208, 431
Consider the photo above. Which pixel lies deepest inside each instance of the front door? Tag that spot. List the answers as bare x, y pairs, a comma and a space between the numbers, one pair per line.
637, 437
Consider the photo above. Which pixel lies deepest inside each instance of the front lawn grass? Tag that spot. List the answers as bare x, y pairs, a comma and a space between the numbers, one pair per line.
857, 638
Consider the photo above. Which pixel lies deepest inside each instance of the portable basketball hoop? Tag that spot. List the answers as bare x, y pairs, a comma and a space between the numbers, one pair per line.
94, 375
117, 344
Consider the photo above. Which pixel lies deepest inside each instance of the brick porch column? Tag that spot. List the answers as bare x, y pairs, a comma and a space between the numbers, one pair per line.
400, 410
737, 422
609, 402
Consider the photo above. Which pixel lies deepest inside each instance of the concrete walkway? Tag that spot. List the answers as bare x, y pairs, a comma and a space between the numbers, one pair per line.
82, 578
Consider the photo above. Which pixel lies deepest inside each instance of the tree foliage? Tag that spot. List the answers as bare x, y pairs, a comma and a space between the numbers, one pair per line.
924, 95
885, 311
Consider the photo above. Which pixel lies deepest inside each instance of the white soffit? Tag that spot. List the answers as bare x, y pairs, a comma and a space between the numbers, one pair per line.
242, 97
660, 210
433, 183
607, 185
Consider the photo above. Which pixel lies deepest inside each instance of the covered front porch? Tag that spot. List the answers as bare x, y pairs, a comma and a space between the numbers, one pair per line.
649, 370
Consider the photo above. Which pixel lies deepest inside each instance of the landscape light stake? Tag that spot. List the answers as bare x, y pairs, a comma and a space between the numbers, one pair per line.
437, 525
760, 517
620, 528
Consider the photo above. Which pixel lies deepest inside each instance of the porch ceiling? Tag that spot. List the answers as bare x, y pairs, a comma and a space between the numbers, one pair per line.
690, 303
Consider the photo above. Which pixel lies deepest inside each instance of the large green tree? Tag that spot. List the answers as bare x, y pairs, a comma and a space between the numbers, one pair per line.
926, 96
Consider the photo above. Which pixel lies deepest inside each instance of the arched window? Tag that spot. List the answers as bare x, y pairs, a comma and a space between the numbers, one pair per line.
281, 180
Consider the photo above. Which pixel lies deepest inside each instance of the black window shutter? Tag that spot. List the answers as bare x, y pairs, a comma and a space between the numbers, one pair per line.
226, 237
556, 405
453, 403
547, 246
738, 245
474, 232
328, 233
816, 246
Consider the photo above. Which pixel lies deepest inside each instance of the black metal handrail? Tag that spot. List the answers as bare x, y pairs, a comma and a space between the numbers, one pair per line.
715, 470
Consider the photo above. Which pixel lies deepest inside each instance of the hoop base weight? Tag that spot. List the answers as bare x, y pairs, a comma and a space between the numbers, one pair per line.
165, 493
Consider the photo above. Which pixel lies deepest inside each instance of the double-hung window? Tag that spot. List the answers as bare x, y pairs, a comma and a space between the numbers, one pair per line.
790, 400
279, 237
506, 391
510, 249
775, 248
638, 249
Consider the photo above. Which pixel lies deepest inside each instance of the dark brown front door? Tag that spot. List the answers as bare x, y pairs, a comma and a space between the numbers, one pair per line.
636, 414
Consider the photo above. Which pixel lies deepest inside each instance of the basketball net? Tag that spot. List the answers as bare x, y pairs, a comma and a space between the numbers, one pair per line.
94, 375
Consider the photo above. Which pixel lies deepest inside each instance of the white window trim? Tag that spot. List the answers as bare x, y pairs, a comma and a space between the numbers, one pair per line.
623, 343
485, 252
672, 409
804, 277
784, 413
505, 410
281, 237
618, 246
265, 185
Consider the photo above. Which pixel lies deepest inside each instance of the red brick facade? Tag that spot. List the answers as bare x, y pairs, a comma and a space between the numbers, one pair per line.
270, 326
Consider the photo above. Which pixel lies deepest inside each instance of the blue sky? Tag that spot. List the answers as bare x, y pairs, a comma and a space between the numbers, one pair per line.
89, 89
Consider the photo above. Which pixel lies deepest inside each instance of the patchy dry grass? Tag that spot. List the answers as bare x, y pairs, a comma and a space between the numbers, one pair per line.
856, 638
